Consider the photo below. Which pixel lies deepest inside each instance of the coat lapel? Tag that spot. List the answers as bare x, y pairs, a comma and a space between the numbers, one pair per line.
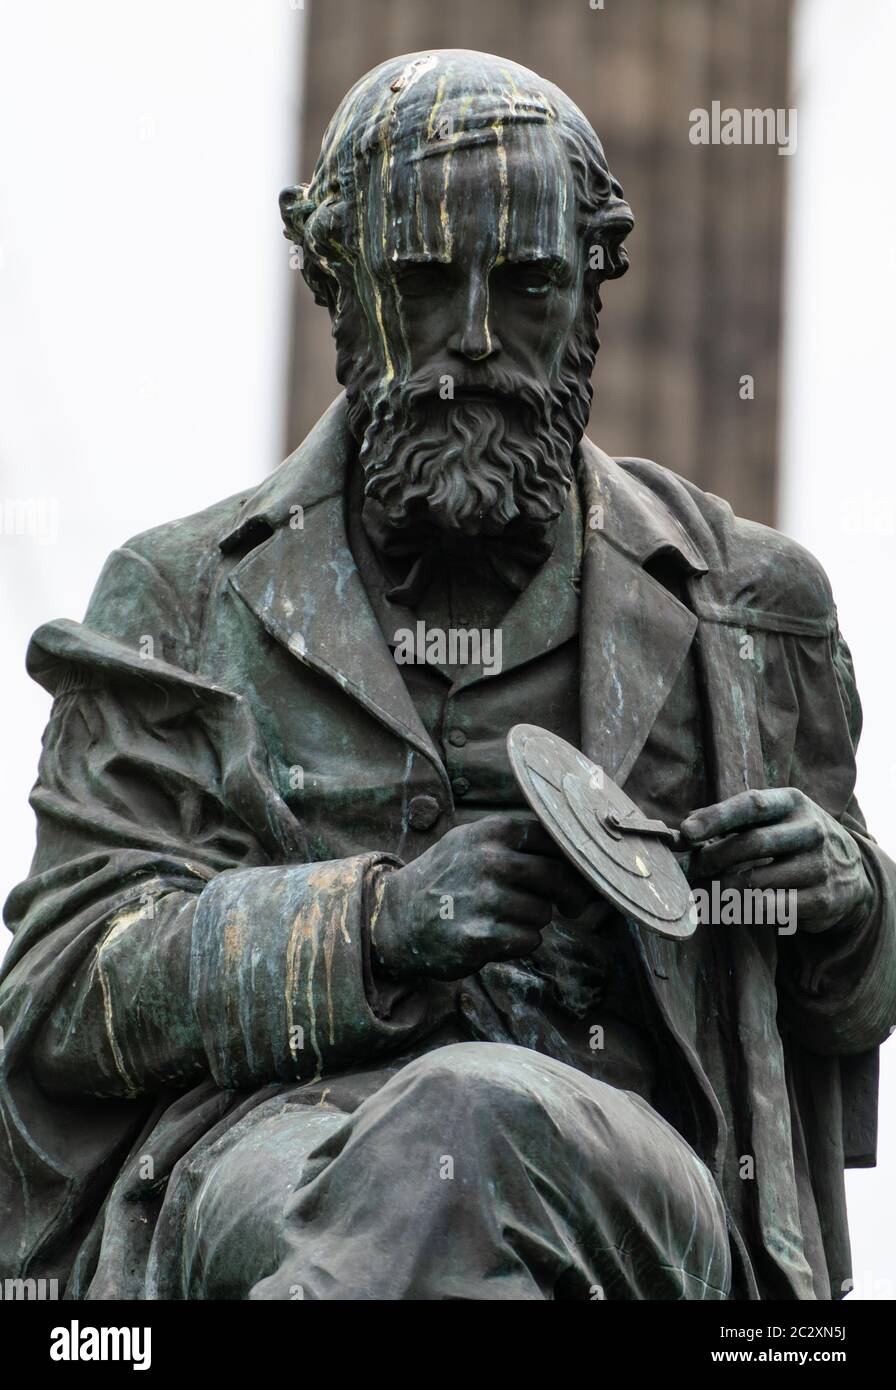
635, 634
303, 585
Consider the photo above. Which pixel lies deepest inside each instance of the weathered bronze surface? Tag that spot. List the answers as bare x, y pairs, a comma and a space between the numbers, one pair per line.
622, 854
302, 1000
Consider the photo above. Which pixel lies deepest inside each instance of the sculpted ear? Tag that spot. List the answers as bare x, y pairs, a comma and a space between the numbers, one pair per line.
295, 207
614, 222
298, 209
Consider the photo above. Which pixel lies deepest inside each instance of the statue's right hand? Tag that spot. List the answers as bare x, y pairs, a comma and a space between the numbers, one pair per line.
485, 892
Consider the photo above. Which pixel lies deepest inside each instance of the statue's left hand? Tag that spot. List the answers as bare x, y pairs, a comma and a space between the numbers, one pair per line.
808, 850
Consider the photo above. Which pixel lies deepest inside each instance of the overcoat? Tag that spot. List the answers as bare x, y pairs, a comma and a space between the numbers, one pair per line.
232, 752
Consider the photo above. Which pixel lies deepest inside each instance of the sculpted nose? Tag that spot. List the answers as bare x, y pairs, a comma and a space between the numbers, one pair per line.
473, 338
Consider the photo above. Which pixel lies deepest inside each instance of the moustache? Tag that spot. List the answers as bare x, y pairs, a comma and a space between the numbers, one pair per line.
494, 386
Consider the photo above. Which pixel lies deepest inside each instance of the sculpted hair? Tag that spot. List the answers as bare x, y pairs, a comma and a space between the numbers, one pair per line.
426, 98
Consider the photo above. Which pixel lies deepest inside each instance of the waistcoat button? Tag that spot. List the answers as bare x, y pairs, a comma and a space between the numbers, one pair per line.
423, 812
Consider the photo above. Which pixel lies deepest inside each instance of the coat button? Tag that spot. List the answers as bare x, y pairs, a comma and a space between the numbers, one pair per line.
460, 786
457, 738
423, 812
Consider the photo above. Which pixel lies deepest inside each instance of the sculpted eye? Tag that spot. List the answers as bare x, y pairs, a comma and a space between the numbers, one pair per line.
420, 281
527, 279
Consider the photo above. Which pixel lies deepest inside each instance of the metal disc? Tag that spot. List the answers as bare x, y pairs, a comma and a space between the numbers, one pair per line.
576, 802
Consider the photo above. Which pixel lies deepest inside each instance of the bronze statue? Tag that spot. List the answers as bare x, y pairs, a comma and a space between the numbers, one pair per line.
303, 1001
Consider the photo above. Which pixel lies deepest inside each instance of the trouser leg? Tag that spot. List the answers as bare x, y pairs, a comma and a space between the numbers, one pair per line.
479, 1171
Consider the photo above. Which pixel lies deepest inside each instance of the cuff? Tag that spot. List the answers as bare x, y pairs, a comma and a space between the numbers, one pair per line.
279, 973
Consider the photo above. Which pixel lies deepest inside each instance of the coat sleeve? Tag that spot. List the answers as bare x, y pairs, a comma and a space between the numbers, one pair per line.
169, 928
838, 988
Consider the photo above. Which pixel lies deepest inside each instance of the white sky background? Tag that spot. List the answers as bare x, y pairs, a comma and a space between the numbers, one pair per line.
144, 291
838, 493
144, 294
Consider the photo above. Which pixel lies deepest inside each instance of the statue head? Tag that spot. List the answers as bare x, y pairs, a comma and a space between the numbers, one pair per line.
458, 226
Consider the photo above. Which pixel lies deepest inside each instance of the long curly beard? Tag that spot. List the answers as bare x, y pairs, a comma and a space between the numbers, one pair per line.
498, 455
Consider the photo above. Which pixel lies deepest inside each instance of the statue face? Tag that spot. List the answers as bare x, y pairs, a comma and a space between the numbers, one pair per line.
474, 259
469, 287
448, 228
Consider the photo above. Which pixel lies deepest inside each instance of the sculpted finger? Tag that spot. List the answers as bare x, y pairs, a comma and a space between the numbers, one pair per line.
524, 834
553, 879
813, 908
800, 871
509, 942
519, 909
739, 812
767, 842
534, 873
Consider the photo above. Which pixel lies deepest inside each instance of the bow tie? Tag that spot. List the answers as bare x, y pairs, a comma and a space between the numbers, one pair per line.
423, 551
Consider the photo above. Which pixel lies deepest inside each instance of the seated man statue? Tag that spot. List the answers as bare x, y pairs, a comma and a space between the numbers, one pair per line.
302, 1000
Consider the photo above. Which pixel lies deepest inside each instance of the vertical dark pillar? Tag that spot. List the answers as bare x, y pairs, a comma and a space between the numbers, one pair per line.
700, 307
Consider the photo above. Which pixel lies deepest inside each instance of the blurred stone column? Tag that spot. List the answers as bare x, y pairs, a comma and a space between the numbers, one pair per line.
700, 307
